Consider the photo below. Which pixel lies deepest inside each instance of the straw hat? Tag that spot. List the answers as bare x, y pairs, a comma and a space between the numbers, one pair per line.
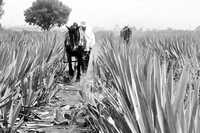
83, 24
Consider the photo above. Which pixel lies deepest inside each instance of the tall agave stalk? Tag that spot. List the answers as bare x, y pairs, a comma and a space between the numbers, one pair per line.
140, 95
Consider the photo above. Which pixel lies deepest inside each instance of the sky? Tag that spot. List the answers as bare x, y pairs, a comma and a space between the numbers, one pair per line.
149, 14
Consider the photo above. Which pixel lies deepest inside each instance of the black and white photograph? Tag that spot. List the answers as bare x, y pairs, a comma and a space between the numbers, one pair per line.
99, 66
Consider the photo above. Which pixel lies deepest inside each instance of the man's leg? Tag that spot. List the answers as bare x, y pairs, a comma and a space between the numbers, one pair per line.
69, 59
87, 60
80, 62
83, 64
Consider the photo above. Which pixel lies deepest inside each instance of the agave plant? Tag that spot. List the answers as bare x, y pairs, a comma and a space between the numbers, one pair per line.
20, 66
141, 95
11, 71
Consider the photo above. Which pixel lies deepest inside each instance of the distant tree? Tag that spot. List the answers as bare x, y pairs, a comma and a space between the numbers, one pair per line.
47, 14
1, 8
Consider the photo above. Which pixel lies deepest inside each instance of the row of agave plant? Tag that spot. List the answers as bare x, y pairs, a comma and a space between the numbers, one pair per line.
27, 72
135, 88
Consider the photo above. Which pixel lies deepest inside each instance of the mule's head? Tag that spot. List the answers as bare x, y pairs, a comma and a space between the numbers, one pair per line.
74, 35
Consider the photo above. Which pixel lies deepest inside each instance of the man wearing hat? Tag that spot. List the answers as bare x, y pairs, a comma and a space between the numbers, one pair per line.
88, 34
88, 38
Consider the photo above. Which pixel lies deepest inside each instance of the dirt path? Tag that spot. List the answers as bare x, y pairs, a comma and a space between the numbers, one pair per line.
57, 117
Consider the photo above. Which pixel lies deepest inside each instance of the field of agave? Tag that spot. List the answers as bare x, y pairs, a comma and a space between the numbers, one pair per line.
28, 65
150, 85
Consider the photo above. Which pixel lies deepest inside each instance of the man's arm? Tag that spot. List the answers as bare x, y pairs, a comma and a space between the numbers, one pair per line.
90, 39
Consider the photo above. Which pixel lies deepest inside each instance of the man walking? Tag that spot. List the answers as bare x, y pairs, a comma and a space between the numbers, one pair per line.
87, 39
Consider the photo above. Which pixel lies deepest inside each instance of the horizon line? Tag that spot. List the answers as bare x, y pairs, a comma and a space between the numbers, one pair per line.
116, 26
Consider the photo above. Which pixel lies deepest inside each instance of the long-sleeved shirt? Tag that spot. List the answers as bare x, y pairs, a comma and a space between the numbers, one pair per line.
88, 38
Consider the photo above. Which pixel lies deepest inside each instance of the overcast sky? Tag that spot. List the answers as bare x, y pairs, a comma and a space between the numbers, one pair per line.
178, 14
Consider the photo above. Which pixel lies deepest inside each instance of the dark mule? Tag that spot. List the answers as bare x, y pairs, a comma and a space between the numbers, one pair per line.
125, 34
73, 48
